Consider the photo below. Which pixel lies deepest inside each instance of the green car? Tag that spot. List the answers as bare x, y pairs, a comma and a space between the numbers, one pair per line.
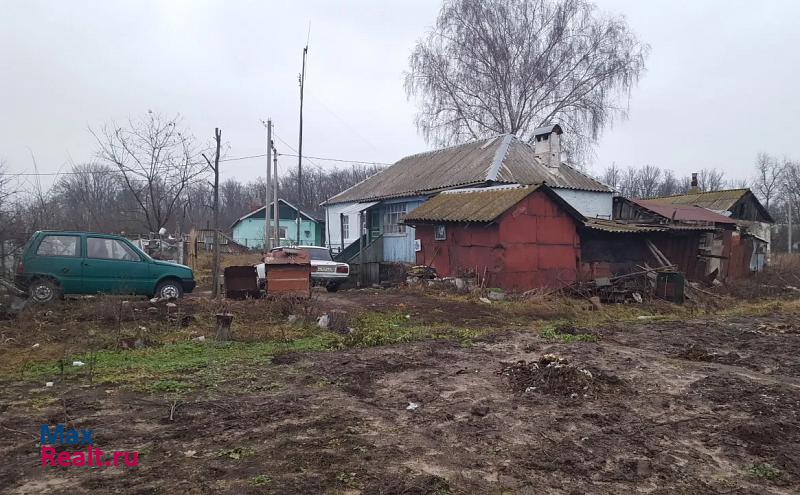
54, 263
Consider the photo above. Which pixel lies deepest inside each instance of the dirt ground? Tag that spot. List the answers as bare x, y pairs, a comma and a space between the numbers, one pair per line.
709, 405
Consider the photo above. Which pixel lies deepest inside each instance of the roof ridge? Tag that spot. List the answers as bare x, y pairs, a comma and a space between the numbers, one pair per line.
698, 192
500, 155
452, 146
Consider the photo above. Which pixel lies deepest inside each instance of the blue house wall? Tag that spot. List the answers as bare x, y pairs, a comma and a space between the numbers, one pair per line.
249, 230
399, 246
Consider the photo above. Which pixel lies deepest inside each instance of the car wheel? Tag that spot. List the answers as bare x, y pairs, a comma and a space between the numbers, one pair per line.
44, 291
169, 289
332, 287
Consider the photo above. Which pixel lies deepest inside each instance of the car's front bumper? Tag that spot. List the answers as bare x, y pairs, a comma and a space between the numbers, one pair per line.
188, 285
329, 276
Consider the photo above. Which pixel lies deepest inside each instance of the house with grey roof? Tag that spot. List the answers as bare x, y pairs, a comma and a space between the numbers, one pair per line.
380, 203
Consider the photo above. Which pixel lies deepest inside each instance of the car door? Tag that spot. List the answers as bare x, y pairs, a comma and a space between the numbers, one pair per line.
58, 255
112, 266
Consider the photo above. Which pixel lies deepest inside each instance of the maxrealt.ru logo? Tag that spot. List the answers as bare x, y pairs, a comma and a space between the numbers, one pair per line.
80, 438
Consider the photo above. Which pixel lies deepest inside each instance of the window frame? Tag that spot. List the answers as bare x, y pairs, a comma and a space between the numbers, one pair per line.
436, 232
78, 247
392, 215
345, 226
125, 247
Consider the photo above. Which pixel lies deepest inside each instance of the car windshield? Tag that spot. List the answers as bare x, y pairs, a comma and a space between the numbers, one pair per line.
319, 254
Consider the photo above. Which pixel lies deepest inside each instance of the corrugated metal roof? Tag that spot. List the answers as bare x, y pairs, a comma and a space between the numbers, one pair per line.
504, 159
470, 205
684, 212
619, 227
713, 200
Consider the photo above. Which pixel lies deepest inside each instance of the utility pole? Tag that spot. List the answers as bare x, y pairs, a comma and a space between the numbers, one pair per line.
267, 231
277, 231
300, 148
215, 168
789, 207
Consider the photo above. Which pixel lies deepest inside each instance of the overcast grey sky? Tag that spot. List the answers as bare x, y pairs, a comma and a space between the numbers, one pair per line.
721, 81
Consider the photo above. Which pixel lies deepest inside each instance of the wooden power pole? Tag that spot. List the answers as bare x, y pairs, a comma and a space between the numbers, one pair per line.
300, 149
215, 168
267, 223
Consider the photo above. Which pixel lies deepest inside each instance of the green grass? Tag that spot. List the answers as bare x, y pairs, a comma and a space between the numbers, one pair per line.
764, 471
377, 329
175, 368
552, 332
260, 480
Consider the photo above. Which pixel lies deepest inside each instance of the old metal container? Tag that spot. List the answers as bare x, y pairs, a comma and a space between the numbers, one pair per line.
288, 272
241, 282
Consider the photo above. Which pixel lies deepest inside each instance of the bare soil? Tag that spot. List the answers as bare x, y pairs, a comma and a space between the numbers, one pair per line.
659, 408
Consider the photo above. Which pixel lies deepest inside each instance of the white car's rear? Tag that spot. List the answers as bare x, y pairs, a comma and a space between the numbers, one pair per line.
324, 271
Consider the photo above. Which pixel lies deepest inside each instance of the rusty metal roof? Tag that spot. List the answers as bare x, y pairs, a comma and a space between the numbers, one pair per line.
501, 159
470, 205
713, 200
684, 212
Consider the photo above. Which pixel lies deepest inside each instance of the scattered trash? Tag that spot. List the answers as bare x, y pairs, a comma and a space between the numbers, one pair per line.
637, 297
324, 321
190, 453
48, 384
596, 304
412, 406
645, 317
484, 300
142, 328
496, 295
78, 363
154, 300
35, 346
201, 338
408, 317
554, 375
171, 305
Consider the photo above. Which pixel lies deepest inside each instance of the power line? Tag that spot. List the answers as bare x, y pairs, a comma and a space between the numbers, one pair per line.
248, 157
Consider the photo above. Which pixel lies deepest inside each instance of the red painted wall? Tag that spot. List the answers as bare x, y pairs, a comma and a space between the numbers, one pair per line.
533, 244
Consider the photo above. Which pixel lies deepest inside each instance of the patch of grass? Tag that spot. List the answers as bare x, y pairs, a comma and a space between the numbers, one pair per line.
764, 471
553, 332
178, 367
376, 329
260, 480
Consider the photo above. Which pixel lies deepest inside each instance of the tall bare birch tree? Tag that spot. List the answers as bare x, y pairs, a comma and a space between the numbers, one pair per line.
508, 66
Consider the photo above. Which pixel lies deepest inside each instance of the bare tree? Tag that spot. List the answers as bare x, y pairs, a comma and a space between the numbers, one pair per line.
611, 176
768, 179
89, 198
156, 160
711, 179
649, 181
669, 185
508, 66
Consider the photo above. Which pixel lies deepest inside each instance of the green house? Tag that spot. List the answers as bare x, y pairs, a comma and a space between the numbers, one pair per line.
249, 229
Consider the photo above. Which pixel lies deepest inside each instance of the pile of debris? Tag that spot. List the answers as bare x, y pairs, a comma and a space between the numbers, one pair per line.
551, 375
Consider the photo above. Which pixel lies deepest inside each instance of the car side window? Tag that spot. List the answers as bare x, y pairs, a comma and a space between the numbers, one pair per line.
109, 249
59, 245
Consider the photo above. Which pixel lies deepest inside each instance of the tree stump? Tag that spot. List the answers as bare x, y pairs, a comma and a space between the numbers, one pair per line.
224, 321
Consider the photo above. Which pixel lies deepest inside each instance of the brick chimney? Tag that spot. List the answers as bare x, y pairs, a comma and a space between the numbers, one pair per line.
547, 145
695, 188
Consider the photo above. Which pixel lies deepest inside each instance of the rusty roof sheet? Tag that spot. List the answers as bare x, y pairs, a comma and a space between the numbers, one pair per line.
713, 200
503, 159
470, 205
684, 212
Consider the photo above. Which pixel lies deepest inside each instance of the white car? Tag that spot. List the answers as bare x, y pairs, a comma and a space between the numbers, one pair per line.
324, 271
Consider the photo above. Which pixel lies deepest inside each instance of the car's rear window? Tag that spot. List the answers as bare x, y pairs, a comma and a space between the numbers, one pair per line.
319, 254
59, 245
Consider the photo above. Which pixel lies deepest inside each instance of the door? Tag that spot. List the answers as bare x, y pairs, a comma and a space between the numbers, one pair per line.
113, 266
58, 256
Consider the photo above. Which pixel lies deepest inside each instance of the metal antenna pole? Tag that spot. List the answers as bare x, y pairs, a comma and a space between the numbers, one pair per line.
300, 148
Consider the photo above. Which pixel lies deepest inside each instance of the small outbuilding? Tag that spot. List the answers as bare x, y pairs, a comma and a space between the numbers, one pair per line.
517, 237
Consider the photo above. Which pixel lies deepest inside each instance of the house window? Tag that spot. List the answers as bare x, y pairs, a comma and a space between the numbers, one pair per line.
440, 233
282, 232
392, 217
345, 227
